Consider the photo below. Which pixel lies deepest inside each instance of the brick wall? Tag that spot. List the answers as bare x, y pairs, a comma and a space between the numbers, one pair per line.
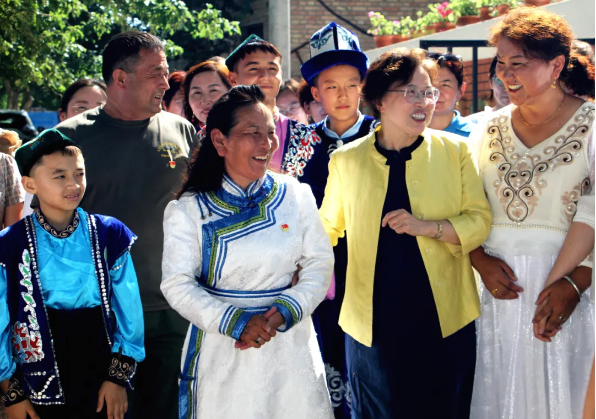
465, 105
308, 16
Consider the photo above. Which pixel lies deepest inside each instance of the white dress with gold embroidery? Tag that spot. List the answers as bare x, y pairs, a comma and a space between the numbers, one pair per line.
533, 194
227, 256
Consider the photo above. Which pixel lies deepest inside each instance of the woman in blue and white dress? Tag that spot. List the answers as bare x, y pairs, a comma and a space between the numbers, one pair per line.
232, 242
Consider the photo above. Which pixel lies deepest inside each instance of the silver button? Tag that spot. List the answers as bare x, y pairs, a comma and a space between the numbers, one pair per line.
428, 251
438, 284
421, 217
415, 183
410, 165
339, 143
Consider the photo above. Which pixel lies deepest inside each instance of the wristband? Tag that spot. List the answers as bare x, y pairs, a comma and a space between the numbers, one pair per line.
579, 294
440, 230
14, 394
122, 370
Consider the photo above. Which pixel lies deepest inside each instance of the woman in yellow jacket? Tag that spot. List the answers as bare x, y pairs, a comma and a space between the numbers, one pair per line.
413, 206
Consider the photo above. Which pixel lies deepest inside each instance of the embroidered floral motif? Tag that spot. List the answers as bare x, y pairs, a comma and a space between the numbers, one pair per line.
319, 43
122, 369
58, 234
520, 180
14, 394
26, 339
569, 199
336, 386
300, 149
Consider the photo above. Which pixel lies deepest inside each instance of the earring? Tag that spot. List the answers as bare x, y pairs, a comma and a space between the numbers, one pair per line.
554, 85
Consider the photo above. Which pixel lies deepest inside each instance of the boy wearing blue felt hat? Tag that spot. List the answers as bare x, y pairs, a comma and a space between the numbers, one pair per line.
71, 320
335, 71
258, 62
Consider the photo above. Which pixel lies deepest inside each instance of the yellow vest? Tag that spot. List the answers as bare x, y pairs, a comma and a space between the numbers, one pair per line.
443, 183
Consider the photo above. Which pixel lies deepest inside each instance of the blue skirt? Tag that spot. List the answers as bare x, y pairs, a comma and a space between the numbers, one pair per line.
411, 380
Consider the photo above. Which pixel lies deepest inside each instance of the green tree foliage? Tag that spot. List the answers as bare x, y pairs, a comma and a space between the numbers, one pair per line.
47, 44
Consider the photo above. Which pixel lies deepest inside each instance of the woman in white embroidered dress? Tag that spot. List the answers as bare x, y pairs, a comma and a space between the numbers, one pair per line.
534, 160
232, 243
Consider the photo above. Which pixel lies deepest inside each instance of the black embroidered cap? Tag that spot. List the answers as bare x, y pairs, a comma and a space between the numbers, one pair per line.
45, 143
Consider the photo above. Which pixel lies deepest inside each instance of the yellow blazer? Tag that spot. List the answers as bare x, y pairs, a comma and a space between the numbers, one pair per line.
443, 183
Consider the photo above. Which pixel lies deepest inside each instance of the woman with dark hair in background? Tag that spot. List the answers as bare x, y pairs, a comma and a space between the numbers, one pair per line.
173, 99
203, 85
536, 161
313, 109
82, 95
288, 102
232, 242
498, 98
452, 86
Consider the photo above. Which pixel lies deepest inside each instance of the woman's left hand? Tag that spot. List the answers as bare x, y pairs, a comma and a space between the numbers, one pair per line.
555, 304
401, 221
274, 320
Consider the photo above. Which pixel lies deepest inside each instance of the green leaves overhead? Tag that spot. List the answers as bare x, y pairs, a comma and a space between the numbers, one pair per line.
51, 43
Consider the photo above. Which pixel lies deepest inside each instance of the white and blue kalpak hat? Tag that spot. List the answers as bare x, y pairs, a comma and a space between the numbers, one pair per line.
333, 45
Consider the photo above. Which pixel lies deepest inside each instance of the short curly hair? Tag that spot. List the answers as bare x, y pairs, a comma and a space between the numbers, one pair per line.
397, 65
544, 35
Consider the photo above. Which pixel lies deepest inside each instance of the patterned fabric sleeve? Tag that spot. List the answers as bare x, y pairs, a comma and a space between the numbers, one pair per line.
7, 364
316, 262
14, 193
181, 263
585, 204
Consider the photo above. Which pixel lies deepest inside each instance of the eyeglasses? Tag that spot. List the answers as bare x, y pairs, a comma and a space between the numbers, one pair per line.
413, 95
289, 111
437, 56
79, 108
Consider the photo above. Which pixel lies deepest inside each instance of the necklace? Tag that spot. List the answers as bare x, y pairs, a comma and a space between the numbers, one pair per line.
547, 121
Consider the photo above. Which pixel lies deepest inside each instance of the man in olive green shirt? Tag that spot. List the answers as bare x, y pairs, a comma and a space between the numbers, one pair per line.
135, 157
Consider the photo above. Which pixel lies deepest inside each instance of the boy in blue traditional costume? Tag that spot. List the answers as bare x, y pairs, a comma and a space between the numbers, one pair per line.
335, 71
71, 321
258, 62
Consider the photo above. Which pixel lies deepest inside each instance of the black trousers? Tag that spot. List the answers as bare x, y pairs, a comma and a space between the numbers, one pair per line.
156, 389
82, 354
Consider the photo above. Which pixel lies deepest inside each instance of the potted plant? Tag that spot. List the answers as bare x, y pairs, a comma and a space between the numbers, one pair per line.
401, 29
442, 16
486, 7
418, 25
504, 6
381, 29
466, 11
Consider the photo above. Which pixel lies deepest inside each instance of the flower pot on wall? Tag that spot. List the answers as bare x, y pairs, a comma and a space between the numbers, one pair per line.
416, 34
430, 29
485, 13
383, 41
537, 2
444, 26
399, 38
502, 9
467, 20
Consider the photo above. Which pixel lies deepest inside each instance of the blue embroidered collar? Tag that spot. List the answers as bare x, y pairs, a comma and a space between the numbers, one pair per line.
67, 232
233, 188
238, 199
